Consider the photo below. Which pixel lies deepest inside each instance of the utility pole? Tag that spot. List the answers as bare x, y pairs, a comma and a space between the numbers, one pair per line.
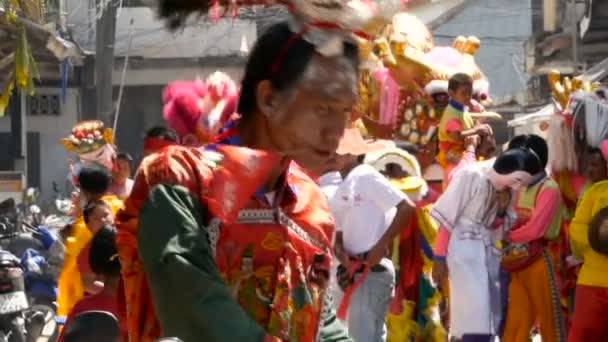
104, 58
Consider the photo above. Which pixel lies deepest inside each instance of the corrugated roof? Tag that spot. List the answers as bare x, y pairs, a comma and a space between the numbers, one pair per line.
503, 27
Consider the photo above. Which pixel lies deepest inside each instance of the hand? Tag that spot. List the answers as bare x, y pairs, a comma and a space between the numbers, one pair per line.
376, 254
472, 141
341, 255
572, 261
45, 236
439, 273
484, 129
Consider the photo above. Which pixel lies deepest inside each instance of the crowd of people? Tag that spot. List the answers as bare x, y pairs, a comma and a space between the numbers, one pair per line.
282, 223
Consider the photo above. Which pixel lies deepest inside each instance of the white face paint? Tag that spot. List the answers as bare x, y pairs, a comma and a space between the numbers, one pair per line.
514, 180
330, 78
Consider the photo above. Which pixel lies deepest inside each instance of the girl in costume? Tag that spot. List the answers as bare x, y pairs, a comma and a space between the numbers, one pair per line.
467, 212
195, 227
414, 312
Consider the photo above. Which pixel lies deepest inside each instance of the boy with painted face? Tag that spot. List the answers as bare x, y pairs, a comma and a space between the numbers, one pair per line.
466, 212
457, 123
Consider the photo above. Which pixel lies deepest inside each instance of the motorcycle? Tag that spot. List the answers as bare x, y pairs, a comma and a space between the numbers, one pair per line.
20, 321
30, 238
13, 299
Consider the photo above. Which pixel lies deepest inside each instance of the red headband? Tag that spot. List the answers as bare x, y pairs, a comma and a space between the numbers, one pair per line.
155, 144
280, 59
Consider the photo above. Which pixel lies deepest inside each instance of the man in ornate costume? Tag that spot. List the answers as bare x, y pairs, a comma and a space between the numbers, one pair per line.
196, 226
466, 213
533, 288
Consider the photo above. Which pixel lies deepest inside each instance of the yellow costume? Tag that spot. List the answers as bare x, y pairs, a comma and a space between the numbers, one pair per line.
70, 283
595, 265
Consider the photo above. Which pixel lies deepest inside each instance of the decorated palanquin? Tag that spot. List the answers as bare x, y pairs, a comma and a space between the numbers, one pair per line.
414, 312
404, 83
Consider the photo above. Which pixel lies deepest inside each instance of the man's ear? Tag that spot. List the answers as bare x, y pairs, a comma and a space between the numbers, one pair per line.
267, 98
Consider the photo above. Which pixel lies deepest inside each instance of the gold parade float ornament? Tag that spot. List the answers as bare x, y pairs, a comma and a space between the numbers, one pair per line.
404, 96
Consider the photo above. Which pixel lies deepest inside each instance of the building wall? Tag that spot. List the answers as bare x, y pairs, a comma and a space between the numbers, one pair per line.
53, 156
502, 27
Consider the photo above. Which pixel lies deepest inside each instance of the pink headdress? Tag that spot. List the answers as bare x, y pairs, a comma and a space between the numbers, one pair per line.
196, 110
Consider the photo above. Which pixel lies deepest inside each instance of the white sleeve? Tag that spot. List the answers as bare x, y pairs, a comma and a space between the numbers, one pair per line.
374, 186
451, 203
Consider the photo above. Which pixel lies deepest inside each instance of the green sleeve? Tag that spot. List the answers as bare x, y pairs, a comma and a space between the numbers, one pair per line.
332, 330
191, 300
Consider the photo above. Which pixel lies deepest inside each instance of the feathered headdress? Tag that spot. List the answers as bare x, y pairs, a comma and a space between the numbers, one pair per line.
323, 23
196, 110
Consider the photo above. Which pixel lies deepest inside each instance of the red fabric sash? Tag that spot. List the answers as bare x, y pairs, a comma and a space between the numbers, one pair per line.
344, 304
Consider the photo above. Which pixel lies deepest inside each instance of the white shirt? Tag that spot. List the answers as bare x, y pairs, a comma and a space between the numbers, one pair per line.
364, 207
329, 184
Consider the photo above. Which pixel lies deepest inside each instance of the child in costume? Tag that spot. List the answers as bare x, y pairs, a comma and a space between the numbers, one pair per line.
94, 183
103, 262
457, 123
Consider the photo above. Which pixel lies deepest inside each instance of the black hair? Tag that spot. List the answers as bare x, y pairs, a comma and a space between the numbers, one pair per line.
94, 179
278, 44
407, 147
534, 142
92, 326
124, 156
162, 133
91, 207
595, 150
518, 159
103, 256
459, 79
